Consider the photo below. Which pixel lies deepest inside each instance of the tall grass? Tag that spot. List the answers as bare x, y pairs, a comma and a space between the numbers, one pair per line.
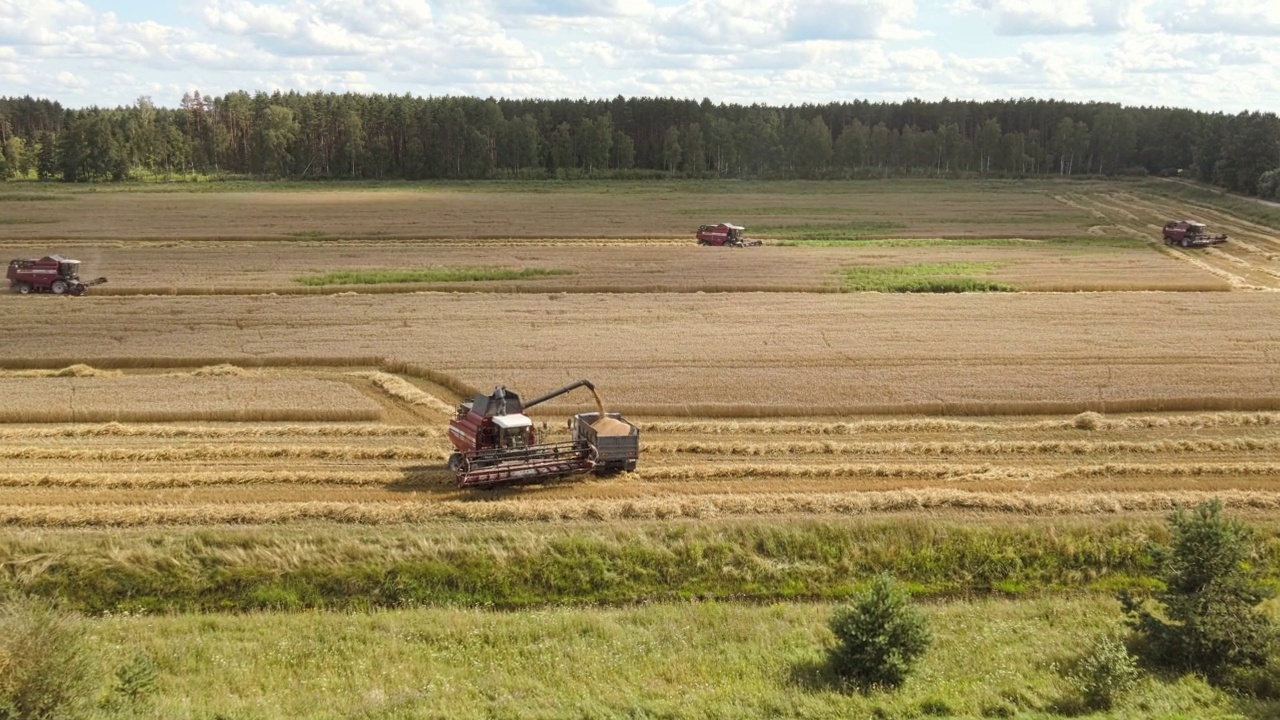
992, 658
430, 275
312, 566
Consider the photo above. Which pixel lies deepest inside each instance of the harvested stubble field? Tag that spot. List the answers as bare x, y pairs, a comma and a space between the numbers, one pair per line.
230, 268
719, 355
317, 212
1035, 236
66, 475
176, 398
759, 404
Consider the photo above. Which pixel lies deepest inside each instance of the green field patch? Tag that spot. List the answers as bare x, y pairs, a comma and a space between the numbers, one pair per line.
937, 278
428, 275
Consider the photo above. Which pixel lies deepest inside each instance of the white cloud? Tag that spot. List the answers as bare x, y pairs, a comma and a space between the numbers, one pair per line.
42, 22
1057, 17
71, 82
1235, 17
1202, 52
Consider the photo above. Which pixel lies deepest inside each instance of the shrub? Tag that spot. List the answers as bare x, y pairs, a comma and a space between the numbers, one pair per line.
879, 637
45, 671
1208, 620
1104, 674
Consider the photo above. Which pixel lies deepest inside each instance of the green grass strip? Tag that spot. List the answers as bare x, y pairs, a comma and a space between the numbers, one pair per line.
939, 278
341, 567
429, 275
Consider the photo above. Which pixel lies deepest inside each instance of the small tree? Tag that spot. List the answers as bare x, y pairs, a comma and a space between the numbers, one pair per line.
880, 636
1208, 620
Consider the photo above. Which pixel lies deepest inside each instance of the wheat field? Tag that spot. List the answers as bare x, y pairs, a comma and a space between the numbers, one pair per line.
205, 385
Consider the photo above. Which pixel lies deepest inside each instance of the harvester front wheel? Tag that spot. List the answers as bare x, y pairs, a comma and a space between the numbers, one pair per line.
58, 287
455, 462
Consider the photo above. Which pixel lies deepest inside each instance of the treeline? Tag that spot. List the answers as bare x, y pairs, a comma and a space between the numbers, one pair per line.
324, 135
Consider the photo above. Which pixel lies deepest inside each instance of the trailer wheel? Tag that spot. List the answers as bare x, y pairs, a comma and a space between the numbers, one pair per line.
58, 287
22, 288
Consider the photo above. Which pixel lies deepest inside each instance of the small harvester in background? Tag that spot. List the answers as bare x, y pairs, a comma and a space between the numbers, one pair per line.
1189, 234
725, 235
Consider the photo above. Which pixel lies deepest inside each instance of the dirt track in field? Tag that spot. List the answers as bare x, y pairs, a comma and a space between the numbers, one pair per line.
1249, 260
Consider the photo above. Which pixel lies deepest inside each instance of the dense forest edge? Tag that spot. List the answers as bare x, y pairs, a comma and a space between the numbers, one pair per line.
318, 136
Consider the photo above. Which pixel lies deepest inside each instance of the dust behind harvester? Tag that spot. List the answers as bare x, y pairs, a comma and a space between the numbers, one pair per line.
497, 443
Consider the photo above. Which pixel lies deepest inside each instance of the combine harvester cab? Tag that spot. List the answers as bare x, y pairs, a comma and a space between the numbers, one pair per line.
50, 274
724, 235
1190, 234
496, 443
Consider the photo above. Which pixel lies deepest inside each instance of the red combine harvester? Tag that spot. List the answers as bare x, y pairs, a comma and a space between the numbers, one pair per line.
1188, 234
52, 274
724, 235
497, 444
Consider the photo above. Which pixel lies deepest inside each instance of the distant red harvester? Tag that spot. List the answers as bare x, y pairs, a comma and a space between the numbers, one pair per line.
52, 274
724, 235
1189, 234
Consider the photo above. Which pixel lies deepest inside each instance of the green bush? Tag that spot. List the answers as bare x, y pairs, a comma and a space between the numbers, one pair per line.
45, 670
1104, 674
879, 637
1207, 619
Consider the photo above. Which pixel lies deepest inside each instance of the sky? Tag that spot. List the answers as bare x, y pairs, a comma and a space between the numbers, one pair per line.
1220, 55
